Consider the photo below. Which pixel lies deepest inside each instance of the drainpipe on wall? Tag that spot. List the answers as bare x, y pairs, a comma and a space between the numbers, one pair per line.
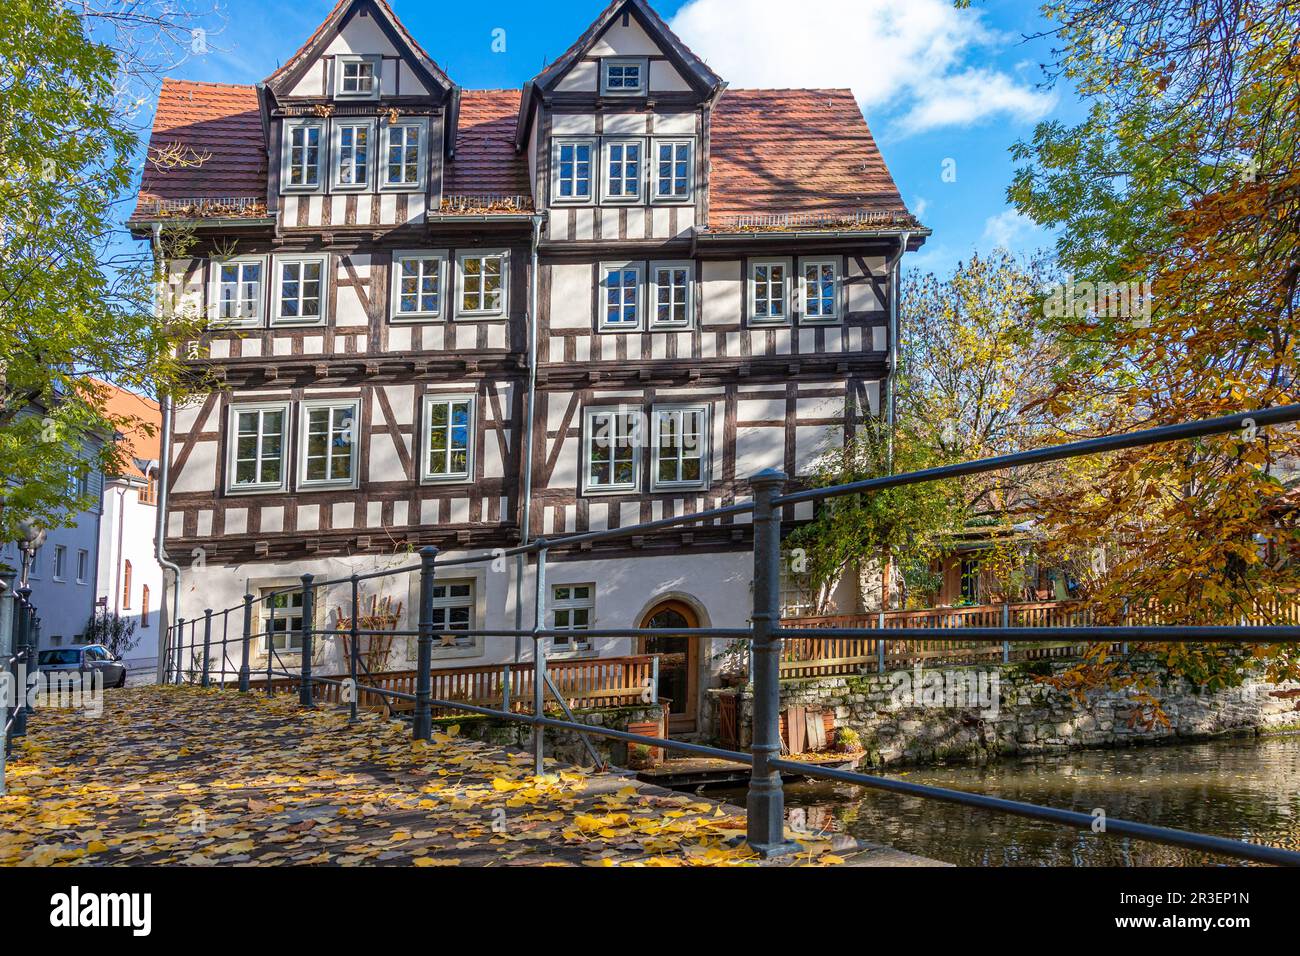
526, 459
160, 524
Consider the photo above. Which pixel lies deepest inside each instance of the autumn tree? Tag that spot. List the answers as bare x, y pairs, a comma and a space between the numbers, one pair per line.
70, 307
974, 365
1182, 184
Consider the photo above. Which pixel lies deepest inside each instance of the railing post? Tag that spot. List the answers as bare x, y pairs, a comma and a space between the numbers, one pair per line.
355, 638
306, 695
654, 677
422, 728
6, 652
765, 804
1006, 622
180, 641
539, 660
270, 644
244, 671
23, 619
506, 676
207, 648
880, 641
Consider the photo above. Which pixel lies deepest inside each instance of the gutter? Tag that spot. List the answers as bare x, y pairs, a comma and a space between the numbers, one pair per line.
160, 525
525, 507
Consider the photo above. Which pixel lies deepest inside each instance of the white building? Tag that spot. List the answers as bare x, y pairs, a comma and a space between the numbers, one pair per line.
469, 318
129, 581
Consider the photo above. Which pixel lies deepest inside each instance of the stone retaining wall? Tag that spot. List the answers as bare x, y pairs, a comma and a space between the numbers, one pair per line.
950, 713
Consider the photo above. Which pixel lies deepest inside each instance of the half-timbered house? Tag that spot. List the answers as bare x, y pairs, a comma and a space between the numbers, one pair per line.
469, 317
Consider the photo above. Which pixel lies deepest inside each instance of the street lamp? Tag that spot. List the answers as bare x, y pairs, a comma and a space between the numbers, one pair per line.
30, 538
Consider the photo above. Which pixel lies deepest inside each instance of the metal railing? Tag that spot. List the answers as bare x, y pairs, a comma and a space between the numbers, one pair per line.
765, 801
19, 627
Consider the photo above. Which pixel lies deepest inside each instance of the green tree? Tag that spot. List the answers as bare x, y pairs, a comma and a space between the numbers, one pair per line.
69, 307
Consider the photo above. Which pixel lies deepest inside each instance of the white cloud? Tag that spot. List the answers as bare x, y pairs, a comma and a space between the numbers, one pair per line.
1008, 229
906, 60
920, 206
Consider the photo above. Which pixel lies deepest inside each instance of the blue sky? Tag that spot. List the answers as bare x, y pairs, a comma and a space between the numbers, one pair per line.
946, 91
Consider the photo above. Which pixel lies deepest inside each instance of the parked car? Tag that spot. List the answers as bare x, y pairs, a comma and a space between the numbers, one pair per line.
84, 659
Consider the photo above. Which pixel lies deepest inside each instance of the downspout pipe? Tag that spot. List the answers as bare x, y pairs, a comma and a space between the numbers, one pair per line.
891, 406
526, 458
160, 524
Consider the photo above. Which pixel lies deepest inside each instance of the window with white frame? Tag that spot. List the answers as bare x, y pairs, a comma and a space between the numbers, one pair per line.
671, 298
622, 285
573, 169
453, 612
282, 619
611, 449
623, 77
672, 170
83, 566
481, 278
303, 140
572, 609
239, 291
352, 155
623, 170
258, 441
300, 290
329, 446
404, 155
356, 77
768, 291
60, 562
680, 441
819, 289
418, 279
448, 437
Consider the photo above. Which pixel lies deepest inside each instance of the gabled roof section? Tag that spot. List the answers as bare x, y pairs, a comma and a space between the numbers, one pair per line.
696, 71
485, 167
206, 152
791, 159
285, 77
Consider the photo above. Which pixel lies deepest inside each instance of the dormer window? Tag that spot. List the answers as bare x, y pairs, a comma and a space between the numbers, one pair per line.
356, 77
623, 77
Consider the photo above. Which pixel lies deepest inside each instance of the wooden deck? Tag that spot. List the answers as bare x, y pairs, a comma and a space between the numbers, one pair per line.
182, 776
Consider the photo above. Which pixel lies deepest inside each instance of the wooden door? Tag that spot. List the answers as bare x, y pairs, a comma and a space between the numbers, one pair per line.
678, 662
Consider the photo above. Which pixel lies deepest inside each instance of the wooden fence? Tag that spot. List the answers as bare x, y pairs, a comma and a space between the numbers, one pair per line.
584, 684
821, 657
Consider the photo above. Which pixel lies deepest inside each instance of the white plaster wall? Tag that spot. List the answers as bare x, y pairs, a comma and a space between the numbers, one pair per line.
722, 292
132, 523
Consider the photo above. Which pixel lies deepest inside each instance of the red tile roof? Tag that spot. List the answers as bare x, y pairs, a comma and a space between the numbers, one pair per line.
486, 163
132, 412
777, 152
774, 152
206, 143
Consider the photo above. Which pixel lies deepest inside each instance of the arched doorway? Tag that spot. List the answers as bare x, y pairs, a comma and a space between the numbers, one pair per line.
678, 661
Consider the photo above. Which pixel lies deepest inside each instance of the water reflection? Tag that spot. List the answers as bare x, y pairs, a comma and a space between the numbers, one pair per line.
1245, 789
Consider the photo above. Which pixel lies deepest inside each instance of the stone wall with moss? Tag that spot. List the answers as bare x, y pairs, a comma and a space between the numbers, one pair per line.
1029, 717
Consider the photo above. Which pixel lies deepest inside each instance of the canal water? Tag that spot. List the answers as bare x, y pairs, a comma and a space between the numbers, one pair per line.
1247, 789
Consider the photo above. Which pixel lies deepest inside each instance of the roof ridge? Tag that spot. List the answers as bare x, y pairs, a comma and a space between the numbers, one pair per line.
176, 80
